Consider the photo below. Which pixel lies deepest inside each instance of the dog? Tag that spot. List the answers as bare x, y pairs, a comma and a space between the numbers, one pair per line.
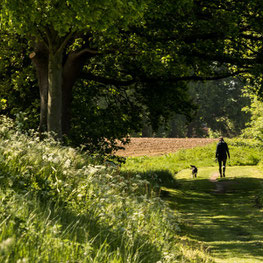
194, 171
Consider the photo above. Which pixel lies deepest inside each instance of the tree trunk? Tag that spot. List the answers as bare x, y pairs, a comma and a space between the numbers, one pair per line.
67, 87
43, 89
55, 85
190, 130
54, 116
71, 71
40, 61
146, 131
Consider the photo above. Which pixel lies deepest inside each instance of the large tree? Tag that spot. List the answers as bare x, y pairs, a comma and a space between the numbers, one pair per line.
61, 35
146, 43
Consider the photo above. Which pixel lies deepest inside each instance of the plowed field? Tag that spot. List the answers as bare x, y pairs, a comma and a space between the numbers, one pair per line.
159, 146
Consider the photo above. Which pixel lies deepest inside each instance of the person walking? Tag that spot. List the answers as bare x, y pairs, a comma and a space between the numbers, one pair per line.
222, 152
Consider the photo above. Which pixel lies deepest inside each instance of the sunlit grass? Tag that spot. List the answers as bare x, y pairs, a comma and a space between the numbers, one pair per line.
227, 221
243, 152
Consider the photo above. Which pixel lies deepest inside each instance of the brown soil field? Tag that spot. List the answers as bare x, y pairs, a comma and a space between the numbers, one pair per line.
160, 146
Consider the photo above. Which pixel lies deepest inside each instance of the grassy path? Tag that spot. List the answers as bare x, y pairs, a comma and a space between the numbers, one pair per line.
222, 213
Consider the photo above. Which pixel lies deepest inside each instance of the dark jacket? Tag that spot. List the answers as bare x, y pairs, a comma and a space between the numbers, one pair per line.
222, 150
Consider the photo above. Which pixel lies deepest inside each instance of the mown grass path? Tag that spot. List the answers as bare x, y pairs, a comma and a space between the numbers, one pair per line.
223, 214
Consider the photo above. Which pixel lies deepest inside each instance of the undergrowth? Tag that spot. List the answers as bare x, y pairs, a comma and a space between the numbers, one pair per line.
60, 205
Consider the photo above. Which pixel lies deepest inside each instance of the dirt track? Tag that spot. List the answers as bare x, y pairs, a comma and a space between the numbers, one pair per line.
159, 146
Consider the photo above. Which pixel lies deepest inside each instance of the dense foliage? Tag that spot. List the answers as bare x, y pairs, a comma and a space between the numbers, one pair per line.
18, 85
58, 205
254, 128
219, 109
126, 65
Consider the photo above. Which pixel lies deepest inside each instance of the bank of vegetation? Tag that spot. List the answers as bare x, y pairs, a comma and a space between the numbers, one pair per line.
60, 205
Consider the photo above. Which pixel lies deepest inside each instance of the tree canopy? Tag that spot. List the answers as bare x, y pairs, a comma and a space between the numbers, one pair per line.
60, 34
129, 56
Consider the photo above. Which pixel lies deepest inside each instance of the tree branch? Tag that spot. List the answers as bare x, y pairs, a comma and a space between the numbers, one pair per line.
107, 81
87, 51
193, 77
243, 62
44, 40
65, 41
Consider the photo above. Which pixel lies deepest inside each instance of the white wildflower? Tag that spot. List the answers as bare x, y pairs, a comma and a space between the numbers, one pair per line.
23, 260
4, 245
67, 163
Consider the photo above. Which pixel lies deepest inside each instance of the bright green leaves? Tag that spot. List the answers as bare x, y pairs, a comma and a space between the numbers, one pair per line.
255, 126
38, 18
3, 104
19, 17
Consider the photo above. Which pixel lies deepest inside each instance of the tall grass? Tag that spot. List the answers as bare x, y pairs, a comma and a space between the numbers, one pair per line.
59, 205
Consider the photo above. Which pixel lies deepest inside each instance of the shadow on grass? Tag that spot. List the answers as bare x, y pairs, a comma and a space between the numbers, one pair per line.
160, 178
228, 221
86, 227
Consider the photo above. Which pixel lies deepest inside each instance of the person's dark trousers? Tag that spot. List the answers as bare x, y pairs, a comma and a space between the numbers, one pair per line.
222, 161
